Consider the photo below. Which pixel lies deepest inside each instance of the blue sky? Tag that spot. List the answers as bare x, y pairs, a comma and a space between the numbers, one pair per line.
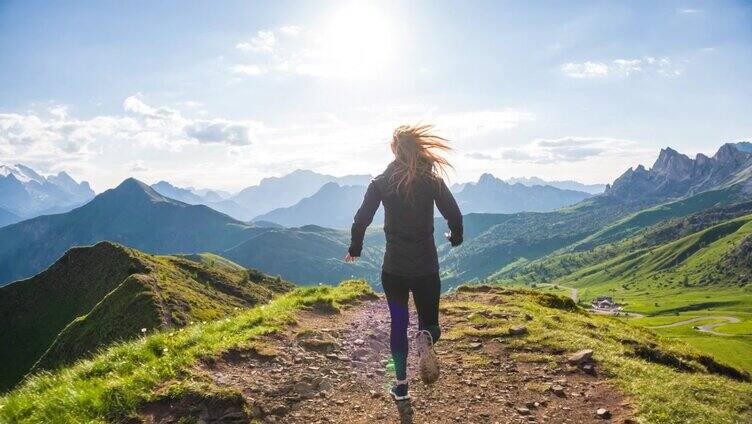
221, 94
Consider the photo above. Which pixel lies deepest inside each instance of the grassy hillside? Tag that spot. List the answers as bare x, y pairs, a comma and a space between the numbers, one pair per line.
113, 384
682, 269
95, 295
506, 239
309, 254
665, 381
645, 218
668, 381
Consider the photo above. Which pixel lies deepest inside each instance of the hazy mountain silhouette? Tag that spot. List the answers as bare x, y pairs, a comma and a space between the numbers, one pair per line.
492, 195
564, 185
7, 217
26, 194
279, 192
332, 206
209, 198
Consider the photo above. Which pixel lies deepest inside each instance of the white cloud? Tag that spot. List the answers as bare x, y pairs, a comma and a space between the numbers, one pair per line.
474, 123
689, 11
356, 42
263, 42
622, 68
137, 166
247, 69
31, 138
59, 111
220, 131
291, 30
585, 69
570, 149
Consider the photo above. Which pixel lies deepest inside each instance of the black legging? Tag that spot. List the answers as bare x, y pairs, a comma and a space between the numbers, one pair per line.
426, 291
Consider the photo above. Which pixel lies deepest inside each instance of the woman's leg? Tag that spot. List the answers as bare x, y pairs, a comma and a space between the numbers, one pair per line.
426, 294
397, 294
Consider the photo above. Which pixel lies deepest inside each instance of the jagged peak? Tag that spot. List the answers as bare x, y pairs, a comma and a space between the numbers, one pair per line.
487, 178
670, 158
729, 153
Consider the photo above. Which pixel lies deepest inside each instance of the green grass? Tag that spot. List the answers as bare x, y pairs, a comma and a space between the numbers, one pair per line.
677, 279
665, 377
645, 218
113, 384
96, 295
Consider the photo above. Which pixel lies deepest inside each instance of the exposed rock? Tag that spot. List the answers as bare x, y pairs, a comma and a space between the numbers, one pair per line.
558, 390
582, 357
522, 410
317, 341
518, 330
603, 413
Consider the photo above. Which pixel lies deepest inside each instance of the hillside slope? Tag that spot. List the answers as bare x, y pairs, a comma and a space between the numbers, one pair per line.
309, 254
95, 295
293, 360
691, 276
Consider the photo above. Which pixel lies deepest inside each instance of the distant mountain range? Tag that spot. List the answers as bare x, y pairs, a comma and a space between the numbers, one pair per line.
331, 206
334, 205
270, 194
492, 195
280, 192
564, 185
134, 214
216, 200
674, 175
26, 194
93, 296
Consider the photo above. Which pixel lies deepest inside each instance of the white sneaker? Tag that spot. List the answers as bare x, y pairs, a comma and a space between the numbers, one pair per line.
429, 364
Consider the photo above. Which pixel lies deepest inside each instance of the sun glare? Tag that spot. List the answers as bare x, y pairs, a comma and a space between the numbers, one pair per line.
358, 40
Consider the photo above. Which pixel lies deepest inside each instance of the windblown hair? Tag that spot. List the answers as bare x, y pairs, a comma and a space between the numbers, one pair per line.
417, 154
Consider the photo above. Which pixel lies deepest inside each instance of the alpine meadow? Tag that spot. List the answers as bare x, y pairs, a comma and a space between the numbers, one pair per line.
219, 212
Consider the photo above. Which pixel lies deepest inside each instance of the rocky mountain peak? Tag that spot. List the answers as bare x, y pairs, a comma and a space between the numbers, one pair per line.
673, 164
728, 154
675, 174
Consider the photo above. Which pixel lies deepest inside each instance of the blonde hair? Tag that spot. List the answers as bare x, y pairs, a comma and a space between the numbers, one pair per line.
417, 154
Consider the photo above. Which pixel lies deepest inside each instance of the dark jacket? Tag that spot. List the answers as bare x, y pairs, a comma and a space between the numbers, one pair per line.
408, 224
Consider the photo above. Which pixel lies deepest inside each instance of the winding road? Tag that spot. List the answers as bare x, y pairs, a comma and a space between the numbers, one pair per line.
707, 328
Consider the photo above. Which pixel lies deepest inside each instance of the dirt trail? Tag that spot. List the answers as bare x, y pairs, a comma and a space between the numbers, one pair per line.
707, 328
331, 368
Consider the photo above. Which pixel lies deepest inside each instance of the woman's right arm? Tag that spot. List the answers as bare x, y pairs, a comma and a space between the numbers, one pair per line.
451, 212
363, 219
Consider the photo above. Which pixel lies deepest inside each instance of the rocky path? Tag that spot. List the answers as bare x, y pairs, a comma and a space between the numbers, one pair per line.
707, 328
332, 368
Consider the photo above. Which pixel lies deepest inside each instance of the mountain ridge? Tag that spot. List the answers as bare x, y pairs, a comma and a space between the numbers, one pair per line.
674, 174
95, 295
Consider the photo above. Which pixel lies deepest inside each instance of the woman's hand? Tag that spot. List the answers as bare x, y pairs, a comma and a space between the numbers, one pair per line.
350, 259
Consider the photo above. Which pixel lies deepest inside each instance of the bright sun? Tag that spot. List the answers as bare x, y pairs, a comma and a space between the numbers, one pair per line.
358, 41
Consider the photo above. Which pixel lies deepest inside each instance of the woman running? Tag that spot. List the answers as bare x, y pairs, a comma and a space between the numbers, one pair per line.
408, 188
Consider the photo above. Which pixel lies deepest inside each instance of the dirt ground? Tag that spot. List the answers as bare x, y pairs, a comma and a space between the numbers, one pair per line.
332, 368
